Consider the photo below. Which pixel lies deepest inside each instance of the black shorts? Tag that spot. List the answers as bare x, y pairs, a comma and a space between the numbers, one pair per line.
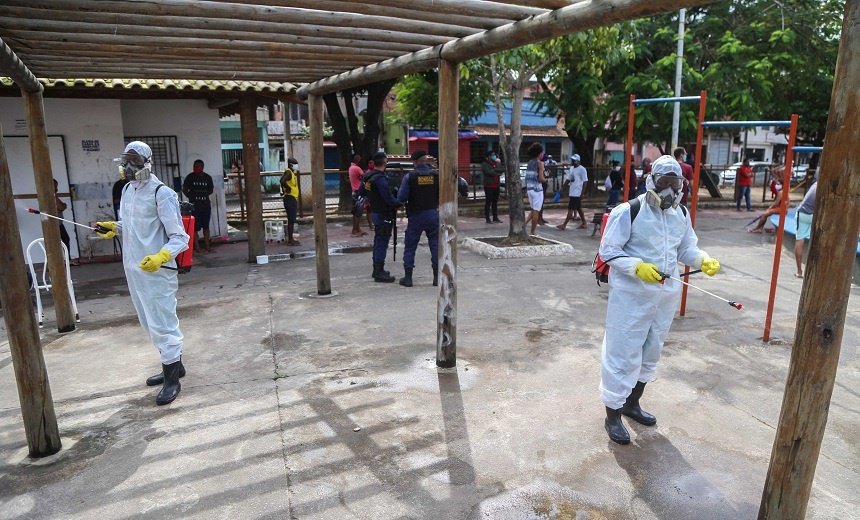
358, 204
574, 203
291, 205
201, 217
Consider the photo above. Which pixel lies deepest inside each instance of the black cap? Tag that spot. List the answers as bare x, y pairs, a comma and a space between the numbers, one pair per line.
380, 157
417, 154
292, 160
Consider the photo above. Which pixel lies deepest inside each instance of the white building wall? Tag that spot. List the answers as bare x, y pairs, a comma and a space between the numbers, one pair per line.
196, 127
91, 174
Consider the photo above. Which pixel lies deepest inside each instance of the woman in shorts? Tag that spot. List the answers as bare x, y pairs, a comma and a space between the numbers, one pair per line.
534, 184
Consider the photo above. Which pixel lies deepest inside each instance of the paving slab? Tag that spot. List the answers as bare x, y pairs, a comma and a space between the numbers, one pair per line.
333, 408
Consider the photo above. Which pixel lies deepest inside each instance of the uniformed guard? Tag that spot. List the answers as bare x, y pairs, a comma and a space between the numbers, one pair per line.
420, 192
383, 208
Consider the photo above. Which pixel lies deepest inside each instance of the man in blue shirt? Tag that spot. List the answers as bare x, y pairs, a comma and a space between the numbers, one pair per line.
383, 211
420, 192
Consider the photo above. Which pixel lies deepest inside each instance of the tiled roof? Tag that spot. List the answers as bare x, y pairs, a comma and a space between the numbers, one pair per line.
163, 84
528, 131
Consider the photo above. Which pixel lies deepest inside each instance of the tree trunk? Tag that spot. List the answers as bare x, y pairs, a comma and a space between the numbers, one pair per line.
376, 95
516, 211
341, 138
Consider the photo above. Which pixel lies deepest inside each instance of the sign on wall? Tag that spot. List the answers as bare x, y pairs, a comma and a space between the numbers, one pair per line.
91, 145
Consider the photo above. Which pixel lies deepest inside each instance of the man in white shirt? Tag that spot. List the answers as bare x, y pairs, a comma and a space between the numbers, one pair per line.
575, 180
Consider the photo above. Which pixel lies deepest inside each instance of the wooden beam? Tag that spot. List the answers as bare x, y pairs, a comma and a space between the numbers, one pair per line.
475, 8
251, 160
825, 293
13, 67
31, 375
446, 310
44, 178
426, 13
315, 106
576, 17
32, 40
546, 4
199, 9
226, 67
180, 74
234, 34
228, 28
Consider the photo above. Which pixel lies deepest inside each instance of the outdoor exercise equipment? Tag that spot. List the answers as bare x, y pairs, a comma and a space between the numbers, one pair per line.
702, 98
786, 181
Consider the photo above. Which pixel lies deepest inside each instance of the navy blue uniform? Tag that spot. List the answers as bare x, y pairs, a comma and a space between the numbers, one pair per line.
420, 192
383, 206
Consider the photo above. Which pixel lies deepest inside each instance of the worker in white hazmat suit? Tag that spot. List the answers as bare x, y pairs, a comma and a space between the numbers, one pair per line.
152, 235
641, 304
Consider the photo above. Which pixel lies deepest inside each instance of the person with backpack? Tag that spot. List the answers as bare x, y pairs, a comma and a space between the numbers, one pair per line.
641, 251
152, 236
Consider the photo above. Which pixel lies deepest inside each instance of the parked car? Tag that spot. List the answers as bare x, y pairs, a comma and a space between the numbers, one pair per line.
799, 172
761, 171
522, 177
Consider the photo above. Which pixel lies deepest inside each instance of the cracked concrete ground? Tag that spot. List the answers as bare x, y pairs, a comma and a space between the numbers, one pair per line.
304, 407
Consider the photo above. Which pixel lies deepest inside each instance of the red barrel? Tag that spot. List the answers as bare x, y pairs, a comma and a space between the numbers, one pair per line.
185, 259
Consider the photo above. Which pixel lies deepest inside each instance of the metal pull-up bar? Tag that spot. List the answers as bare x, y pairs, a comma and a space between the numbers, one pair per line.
654, 101
702, 99
813, 149
736, 124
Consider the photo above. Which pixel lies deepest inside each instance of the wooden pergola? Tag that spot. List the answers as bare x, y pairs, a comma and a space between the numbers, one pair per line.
331, 45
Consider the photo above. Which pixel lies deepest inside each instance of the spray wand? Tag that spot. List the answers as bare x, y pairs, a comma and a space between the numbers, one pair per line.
97, 229
736, 305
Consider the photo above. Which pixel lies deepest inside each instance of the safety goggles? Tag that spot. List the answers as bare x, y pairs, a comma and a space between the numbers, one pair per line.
133, 159
661, 182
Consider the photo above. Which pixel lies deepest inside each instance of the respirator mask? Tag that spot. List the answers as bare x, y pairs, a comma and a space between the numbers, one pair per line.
133, 167
665, 184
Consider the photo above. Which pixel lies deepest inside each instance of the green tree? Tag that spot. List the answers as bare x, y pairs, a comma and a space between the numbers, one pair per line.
418, 97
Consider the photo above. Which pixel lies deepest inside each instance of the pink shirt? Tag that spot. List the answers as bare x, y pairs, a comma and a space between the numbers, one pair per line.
355, 175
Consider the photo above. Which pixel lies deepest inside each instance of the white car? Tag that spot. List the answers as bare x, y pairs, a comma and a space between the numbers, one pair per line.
760, 173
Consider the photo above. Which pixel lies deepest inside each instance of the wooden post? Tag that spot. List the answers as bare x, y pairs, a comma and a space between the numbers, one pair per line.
48, 204
315, 107
446, 314
824, 298
34, 390
251, 160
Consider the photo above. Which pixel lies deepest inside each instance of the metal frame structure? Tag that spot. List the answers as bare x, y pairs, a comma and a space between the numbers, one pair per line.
786, 183
702, 98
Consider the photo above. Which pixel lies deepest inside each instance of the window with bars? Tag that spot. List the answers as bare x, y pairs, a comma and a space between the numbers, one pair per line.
165, 158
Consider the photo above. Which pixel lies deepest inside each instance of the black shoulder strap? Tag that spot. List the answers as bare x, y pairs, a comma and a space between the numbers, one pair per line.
156, 194
684, 210
635, 206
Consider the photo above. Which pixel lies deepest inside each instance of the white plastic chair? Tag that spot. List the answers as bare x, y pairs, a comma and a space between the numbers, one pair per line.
40, 316
274, 230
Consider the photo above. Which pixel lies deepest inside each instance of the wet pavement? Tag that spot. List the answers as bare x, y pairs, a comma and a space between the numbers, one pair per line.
297, 406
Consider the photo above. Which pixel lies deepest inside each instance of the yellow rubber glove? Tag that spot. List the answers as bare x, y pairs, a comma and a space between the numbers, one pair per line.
111, 226
152, 263
648, 272
710, 266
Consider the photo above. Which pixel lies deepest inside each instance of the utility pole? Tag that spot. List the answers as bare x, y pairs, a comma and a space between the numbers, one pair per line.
679, 68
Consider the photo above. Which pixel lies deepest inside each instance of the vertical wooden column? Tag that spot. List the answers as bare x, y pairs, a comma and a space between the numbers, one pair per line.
824, 298
446, 314
44, 177
251, 159
315, 108
34, 391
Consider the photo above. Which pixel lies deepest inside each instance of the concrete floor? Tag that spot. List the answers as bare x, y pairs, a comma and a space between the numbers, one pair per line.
304, 407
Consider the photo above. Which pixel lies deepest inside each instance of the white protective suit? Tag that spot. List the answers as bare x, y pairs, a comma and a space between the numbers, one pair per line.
147, 226
639, 314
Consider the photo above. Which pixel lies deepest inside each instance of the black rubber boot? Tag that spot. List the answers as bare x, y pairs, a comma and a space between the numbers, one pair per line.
632, 409
436, 277
406, 281
158, 378
171, 387
614, 427
380, 274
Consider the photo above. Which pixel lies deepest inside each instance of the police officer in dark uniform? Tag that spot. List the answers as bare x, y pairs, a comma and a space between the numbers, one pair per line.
420, 192
383, 208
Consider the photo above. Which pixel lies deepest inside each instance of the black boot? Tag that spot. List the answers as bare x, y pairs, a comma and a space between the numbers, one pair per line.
436, 277
171, 387
380, 274
158, 378
614, 427
633, 410
406, 281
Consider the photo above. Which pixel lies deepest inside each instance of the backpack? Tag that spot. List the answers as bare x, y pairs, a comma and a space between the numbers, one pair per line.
600, 267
